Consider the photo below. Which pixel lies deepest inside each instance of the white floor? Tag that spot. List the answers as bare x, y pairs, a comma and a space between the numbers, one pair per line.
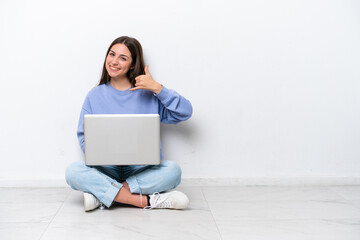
236, 212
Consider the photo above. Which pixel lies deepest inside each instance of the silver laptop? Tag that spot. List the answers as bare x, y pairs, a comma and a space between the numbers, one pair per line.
122, 139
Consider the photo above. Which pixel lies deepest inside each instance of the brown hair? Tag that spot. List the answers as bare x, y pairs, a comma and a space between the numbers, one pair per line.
137, 60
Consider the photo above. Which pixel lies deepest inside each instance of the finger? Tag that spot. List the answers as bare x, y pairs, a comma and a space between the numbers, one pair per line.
147, 70
138, 82
134, 88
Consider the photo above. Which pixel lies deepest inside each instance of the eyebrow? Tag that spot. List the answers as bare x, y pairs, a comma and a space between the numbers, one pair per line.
120, 54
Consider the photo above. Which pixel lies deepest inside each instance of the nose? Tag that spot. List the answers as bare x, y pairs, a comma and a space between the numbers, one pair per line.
114, 62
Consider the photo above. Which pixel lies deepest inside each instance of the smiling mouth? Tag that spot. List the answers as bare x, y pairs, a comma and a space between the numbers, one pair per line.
114, 68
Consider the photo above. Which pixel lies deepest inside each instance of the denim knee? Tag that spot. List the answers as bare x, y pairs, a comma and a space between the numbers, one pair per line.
72, 172
174, 171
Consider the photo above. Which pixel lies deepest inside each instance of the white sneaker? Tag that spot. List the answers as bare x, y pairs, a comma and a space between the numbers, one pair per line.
174, 200
90, 202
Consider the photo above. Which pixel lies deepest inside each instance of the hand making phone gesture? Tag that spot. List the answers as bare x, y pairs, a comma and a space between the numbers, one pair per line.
147, 82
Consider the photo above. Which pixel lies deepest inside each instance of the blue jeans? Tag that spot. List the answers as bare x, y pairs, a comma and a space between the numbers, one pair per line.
104, 182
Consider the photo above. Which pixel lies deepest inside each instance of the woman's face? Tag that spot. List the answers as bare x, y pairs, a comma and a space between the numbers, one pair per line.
118, 61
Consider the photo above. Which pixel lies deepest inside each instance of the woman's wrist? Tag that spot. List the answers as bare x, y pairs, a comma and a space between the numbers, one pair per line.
157, 88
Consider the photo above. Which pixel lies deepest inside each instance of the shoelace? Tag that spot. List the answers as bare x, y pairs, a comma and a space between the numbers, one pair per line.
159, 203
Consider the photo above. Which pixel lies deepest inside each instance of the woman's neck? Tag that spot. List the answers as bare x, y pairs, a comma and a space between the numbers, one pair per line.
120, 84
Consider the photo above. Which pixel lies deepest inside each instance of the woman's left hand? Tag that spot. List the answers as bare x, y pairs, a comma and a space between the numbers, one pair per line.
147, 82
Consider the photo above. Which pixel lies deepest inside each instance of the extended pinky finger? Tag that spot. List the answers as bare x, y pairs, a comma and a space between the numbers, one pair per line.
134, 88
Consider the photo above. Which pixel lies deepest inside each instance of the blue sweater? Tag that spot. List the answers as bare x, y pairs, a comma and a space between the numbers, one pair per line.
105, 99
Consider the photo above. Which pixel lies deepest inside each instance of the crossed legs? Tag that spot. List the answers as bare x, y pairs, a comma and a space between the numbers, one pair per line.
107, 187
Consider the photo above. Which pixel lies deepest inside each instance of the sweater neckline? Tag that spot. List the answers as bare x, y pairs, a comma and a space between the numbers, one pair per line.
116, 91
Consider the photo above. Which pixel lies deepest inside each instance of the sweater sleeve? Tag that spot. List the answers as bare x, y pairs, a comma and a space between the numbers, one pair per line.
80, 131
174, 108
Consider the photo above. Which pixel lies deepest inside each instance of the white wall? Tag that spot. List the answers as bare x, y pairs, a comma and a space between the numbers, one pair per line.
274, 84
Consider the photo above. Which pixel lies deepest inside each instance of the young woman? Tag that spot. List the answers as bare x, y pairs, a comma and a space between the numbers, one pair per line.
126, 87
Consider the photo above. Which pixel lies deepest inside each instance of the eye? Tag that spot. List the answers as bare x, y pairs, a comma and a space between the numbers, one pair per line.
111, 54
124, 59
